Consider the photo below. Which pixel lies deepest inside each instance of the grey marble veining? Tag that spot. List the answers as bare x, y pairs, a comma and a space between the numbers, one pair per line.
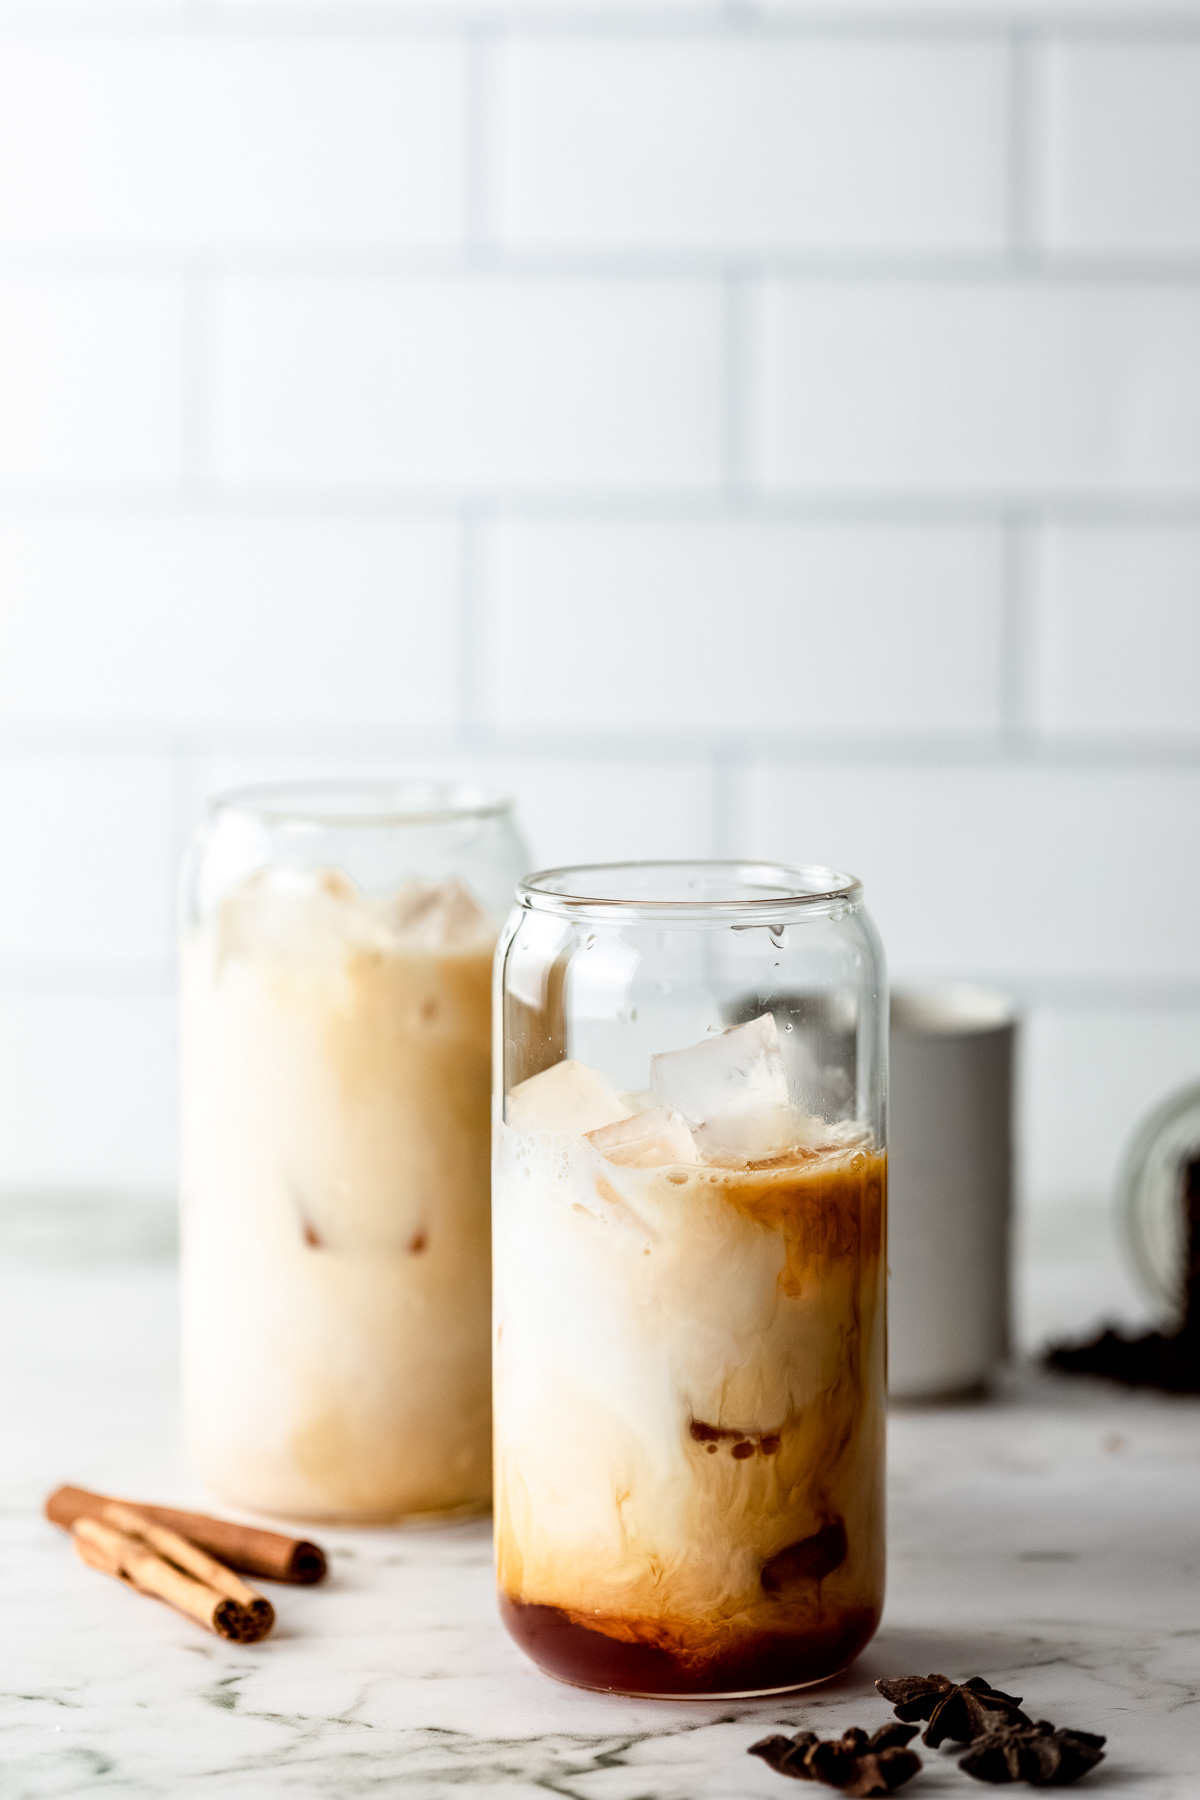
1048, 1540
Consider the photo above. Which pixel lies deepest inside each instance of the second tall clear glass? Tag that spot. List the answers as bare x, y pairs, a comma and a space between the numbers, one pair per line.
689, 1276
337, 958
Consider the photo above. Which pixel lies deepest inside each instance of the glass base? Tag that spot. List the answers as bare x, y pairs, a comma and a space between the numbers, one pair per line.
336, 1521
447, 1515
769, 1693
773, 1663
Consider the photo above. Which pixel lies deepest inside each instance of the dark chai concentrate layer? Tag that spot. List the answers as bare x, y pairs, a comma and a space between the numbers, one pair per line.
590, 1659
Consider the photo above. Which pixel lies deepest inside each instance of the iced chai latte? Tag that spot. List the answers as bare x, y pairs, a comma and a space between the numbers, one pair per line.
337, 1066
689, 1375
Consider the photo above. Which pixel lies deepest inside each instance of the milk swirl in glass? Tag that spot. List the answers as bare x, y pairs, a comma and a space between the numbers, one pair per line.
688, 1222
337, 955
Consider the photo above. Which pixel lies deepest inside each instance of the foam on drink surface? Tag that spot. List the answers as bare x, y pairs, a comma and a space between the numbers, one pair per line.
689, 1379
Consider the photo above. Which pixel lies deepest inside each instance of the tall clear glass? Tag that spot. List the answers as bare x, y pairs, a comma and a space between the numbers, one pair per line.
337, 944
689, 1276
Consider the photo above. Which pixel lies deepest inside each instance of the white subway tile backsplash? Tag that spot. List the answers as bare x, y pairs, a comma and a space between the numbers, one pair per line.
681, 143
570, 808
745, 626
1123, 145
177, 621
1088, 1077
973, 384
337, 381
410, 255
1001, 872
260, 141
1120, 630
88, 1091
617, 809
91, 380
87, 861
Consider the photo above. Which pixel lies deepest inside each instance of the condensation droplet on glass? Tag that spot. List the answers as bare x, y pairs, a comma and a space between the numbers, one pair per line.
778, 936
787, 1025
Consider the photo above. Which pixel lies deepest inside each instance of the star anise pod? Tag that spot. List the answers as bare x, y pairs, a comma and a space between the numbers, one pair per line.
960, 1710
1034, 1753
857, 1764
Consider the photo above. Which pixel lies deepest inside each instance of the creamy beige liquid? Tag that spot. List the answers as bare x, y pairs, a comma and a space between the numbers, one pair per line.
689, 1396
337, 1057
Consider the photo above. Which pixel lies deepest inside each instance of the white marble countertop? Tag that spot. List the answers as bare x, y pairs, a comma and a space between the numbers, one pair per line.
1049, 1540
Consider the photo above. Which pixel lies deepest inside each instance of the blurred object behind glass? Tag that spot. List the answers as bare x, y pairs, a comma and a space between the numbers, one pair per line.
950, 1129
1159, 1197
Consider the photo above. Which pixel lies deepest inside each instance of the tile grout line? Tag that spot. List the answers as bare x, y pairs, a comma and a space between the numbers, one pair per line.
932, 507
1082, 993
197, 378
708, 19
739, 382
720, 800
849, 747
472, 648
586, 21
730, 774
1026, 150
488, 255
481, 140
179, 833
1020, 635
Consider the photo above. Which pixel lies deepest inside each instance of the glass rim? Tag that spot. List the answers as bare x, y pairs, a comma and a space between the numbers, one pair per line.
807, 887
351, 802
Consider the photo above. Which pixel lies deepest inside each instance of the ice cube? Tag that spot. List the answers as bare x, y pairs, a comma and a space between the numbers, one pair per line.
569, 1097
438, 915
649, 1140
739, 1070
732, 1088
307, 915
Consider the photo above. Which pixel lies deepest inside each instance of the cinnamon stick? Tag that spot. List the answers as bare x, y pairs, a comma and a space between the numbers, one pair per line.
111, 1551
194, 1561
244, 1547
